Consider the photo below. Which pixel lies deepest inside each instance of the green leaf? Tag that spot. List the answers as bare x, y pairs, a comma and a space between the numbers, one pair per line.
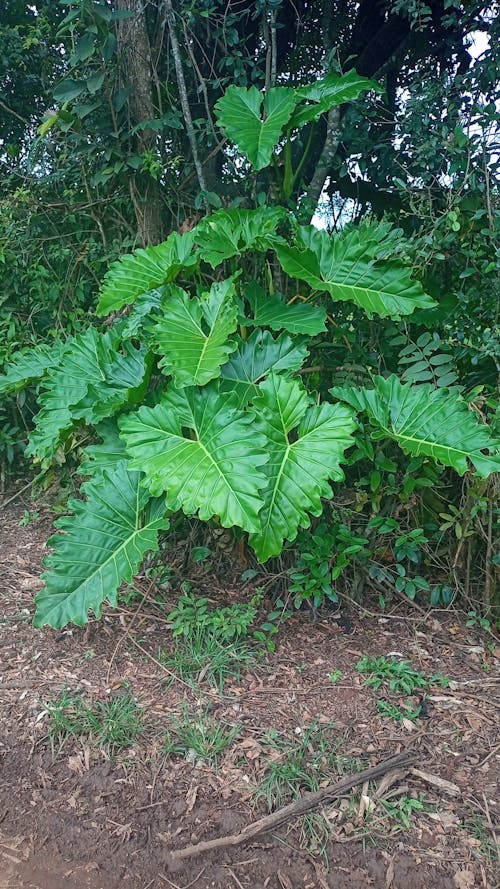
95, 81
347, 267
255, 359
229, 233
84, 48
108, 47
145, 270
327, 93
30, 364
68, 90
92, 381
427, 422
193, 334
102, 545
254, 121
306, 444
269, 310
203, 451
145, 306
107, 454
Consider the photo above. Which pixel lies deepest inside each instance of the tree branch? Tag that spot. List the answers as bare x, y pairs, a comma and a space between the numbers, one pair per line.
300, 807
181, 82
323, 167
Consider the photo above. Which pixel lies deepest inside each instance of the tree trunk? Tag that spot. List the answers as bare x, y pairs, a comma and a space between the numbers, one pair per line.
134, 53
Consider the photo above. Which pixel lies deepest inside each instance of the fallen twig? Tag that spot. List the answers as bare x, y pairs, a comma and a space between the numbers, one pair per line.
300, 807
435, 781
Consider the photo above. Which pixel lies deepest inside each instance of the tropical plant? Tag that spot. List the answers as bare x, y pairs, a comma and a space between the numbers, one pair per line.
193, 413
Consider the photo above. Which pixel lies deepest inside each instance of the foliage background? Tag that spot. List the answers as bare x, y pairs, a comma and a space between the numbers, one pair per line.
109, 141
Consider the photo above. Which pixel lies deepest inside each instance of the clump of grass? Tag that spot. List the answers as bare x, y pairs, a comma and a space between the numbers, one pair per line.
300, 765
113, 724
296, 766
199, 736
203, 657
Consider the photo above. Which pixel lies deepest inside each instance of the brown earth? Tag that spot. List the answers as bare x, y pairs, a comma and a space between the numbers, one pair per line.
78, 819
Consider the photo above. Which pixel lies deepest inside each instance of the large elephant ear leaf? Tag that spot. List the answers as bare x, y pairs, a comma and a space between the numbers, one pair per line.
193, 334
255, 359
144, 270
347, 267
29, 365
102, 546
330, 91
204, 452
269, 310
254, 121
228, 233
427, 422
91, 382
106, 454
306, 444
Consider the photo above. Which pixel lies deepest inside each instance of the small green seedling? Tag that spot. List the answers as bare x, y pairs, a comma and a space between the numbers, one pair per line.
28, 517
335, 676
402, 810
393, 711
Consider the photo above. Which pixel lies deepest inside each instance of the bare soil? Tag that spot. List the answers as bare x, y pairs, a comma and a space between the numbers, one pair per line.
78, 819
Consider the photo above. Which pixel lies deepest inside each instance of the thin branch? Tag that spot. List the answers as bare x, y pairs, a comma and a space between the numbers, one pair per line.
323, 167
14, 113
181, 82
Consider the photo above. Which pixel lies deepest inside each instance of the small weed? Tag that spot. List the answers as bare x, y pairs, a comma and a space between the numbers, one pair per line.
487, 846
231, 623
28, 517
67, 718
112, 724
393, 711
335, 676
399, 675
402, 810
303, 764
192, 614
116, 723
476, 620
199, 737
89, 654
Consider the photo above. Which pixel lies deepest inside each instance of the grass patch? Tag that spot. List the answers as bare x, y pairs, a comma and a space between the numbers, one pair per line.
486, 847
394, 711
199, 736
113, 724
296, 766
302, 764
203, 657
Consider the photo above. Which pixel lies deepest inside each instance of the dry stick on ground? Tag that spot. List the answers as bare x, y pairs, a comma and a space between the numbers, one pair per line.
300, 807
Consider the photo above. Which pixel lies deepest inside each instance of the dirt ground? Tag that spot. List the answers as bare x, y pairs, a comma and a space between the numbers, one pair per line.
78, 819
